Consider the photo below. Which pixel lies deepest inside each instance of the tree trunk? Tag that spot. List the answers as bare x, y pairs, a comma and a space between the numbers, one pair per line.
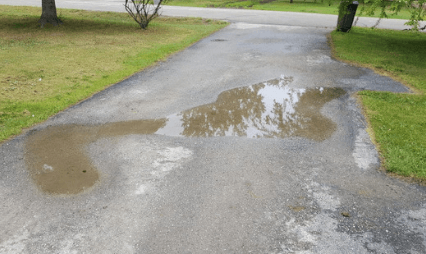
48, 14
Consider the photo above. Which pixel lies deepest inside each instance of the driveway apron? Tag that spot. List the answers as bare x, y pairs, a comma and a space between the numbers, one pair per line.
249, 141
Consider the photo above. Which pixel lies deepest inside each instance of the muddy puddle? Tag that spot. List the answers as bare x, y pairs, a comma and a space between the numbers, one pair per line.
56, 158
58, 164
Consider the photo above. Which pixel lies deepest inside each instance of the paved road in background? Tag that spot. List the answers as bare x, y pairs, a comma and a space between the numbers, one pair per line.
249, 141
231, 15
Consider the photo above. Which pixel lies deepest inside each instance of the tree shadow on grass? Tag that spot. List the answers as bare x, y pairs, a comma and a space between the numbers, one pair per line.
412, 45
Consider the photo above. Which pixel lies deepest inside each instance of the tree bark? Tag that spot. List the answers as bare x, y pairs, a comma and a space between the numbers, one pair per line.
48, 13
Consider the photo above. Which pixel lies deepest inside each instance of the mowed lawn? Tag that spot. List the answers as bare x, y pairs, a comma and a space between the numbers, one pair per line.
43, 71
397, 121
309, 6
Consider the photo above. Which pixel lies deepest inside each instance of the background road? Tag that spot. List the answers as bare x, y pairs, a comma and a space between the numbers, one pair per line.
231, 15
279, 161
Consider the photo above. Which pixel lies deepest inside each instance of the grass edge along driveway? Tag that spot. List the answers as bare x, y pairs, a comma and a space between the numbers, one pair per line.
397, 122
44, 71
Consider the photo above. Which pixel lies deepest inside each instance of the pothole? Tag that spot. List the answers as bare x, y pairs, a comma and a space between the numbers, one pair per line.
58, 164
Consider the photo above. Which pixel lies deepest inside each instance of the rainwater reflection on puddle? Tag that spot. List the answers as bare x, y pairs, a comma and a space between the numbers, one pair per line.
269, 109
58, 164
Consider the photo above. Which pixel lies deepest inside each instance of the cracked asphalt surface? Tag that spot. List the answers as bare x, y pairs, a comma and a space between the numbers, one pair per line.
160, 193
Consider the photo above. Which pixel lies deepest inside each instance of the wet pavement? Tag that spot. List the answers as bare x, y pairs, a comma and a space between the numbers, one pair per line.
249, 141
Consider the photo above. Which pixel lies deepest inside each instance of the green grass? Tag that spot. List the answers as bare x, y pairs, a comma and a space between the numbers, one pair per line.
398, 121
399, 126
322, 7
44, 71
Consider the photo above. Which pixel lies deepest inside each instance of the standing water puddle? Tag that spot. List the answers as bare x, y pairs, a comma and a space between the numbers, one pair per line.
58, 164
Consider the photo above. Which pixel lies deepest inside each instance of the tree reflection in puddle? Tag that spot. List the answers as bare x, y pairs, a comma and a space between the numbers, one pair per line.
269, 109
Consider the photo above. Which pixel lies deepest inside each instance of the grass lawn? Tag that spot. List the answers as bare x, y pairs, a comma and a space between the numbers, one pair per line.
43, 71
397, 121
310, 6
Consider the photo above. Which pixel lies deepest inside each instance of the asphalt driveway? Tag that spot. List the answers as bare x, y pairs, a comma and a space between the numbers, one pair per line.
249, 141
